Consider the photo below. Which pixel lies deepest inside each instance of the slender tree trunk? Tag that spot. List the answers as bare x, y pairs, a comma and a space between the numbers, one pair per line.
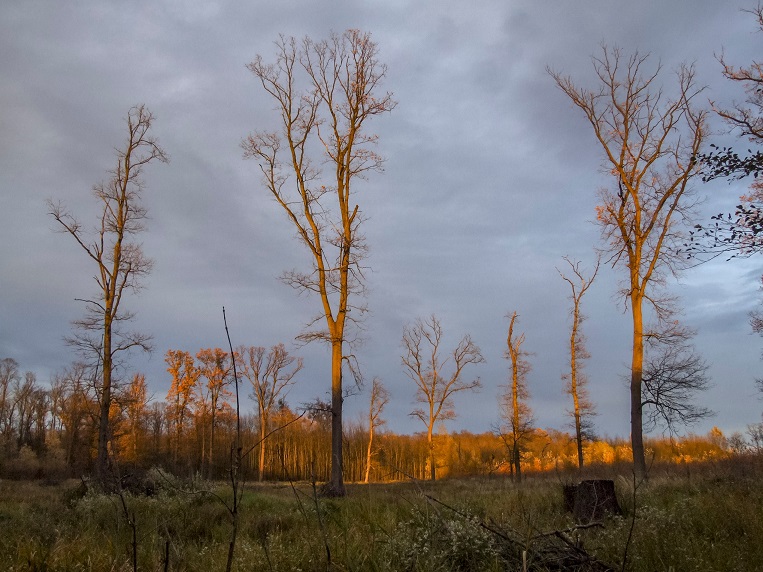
370, 444
102, 462
432, 464
516, 429
263, 432
517, 460
637, 364
211, 443
178, 429
336, 484
574, 383
203, 446
578, 435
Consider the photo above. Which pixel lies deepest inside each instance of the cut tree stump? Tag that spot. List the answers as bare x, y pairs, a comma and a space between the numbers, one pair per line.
591, 500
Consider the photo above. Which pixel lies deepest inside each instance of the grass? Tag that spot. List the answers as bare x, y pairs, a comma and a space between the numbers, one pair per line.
704, 519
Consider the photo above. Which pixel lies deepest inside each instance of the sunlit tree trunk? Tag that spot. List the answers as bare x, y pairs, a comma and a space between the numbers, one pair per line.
337, 462
637, 368
263, 432
379, 398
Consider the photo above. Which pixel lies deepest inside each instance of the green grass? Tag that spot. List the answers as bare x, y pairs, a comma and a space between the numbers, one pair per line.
705, 519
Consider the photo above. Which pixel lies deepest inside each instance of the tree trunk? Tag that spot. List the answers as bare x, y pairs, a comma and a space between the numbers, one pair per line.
102, 462
574, 381
370, 444
336, 484
578, 435
517, 460
516, 433
263, 429
637, 364
432, 466
211, 453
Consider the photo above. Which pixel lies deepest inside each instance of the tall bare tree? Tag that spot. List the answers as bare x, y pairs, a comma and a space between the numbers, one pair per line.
514, 407
424, 364
379, 398
271, 373
582, 406
650, 142
310, 165
119, 261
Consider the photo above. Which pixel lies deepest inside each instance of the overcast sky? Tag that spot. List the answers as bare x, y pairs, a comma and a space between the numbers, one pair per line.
490, 179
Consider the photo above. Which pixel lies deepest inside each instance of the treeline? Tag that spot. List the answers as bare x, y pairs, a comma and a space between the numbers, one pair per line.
53, 431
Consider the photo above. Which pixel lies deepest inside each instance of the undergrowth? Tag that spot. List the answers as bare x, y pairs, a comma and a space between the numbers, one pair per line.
708, 520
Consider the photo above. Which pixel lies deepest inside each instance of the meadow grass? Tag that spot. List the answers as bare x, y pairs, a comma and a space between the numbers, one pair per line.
689, 518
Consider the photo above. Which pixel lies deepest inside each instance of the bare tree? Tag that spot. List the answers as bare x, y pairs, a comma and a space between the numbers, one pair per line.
582, 406
324, 127
271, 374
119, 261
185, 375
9, 377
514, 408
673, 374
27, 398
650, 142
75, 408
379, 398
423, 363
216, 369
134, 402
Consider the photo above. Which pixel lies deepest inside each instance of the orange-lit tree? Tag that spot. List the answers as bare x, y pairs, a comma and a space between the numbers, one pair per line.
309, 166
650, 142
424, 364
135, 409
119, 261
215, 367
514, 408
379, 398
582, 406
185, 376
270, 372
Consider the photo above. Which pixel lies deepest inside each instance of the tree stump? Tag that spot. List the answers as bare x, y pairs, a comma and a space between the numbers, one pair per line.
591, 500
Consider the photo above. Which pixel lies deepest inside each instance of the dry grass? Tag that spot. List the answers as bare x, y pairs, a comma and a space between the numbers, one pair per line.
694, 518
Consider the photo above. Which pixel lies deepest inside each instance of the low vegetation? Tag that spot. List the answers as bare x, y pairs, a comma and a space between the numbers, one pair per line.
689, 517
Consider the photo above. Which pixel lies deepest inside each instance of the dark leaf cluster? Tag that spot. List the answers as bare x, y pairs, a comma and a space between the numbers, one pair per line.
739, 234
725, 163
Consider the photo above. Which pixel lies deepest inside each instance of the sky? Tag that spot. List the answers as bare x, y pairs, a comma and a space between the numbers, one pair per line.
490, 178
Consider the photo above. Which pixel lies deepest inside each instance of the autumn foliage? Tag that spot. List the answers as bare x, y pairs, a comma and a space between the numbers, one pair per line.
52, 431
